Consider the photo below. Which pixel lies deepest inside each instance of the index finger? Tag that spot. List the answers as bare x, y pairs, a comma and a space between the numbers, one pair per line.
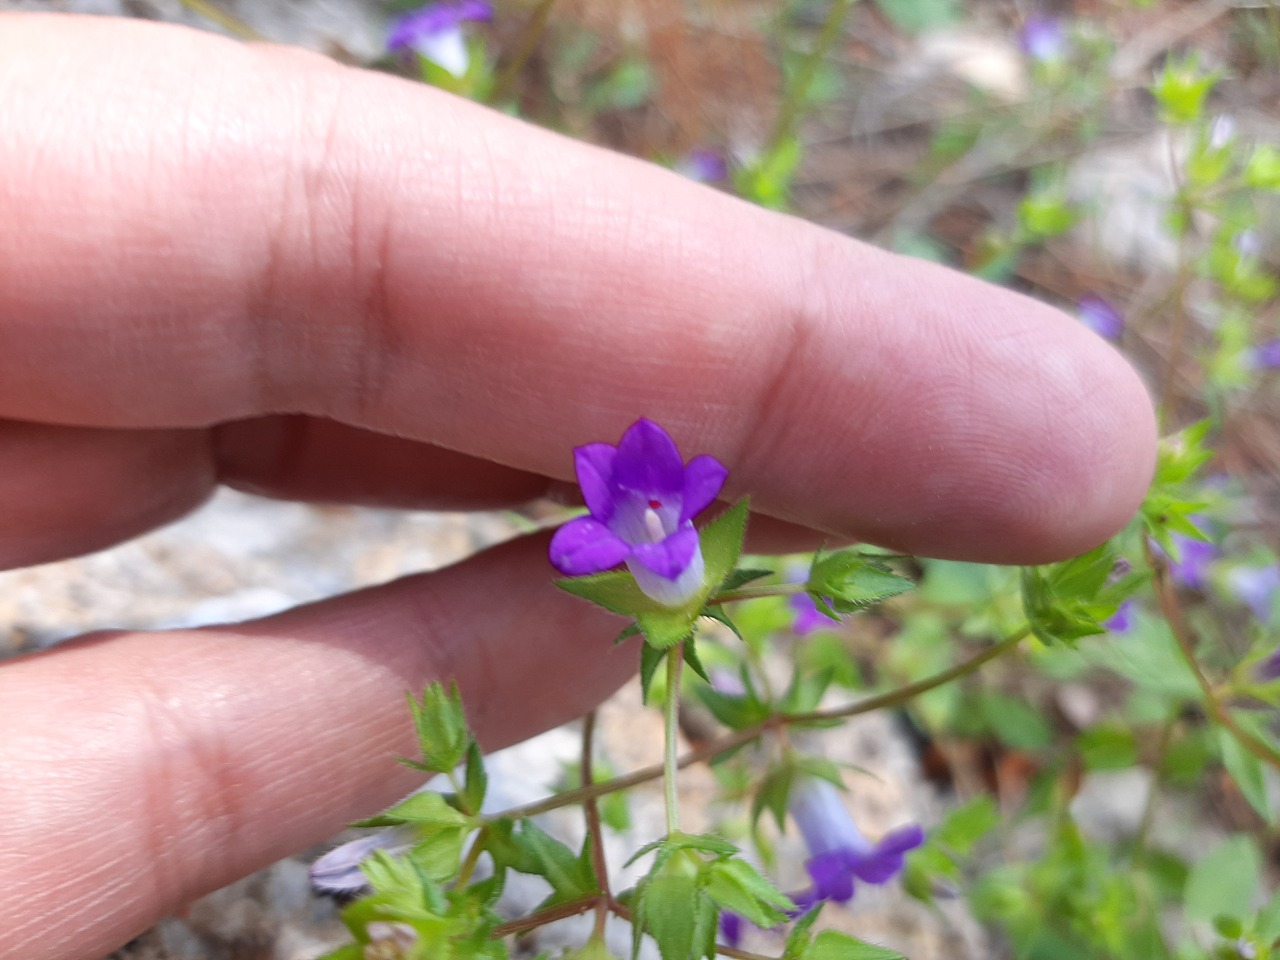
200, 231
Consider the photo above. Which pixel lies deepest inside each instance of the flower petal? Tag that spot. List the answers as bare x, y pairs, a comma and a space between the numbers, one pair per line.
885, 859
670, 557
585, 546
649, 462
703, 480
593, 464
832, 879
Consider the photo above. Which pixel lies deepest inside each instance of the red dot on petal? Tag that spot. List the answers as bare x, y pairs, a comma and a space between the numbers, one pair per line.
655, 504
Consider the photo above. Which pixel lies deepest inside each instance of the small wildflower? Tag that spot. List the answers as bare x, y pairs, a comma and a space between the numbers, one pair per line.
435, 32
642, 500
1122, 620
1268, 668
1265, 356
839, 852
1043, 39
1189, 567
338, 871
1101, 317
703, 165
1256, 588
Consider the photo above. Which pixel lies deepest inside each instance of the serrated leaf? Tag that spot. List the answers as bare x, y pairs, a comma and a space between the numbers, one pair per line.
833, 945
426, 808
735, 885
798, 939
741, 577
690, 652
848, 580
571, 875
439, 854
736, 713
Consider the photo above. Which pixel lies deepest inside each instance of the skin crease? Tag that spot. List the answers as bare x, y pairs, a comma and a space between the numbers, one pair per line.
227, 263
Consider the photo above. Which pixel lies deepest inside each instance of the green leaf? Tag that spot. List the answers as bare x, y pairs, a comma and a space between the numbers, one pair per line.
441, 725
1225, 881
722, 544
832, 945
1268, 926
571, 875
1064, 602
439, 854
673, 909
1015, 723
1246, 770
967, 824
918, 16
736, 713
1107, 747
848, 581
651, 658
798, 939
427, 809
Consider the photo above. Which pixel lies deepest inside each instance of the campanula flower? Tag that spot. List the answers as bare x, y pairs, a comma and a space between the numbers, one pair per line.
1189, 567
1043, 39
642, 500
1265, 356
1100, 316
839, 852
435, 31
703, 165
1122, 620
1256, 588
338, 871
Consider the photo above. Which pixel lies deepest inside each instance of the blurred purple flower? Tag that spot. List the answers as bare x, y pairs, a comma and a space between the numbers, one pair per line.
1268, 667
1100, 316
435, 32
1189, 566
642, 499
1043, 39
807, 617
839, 852
1122, 620
338, 871
1265, 356
1255, 587
704, 165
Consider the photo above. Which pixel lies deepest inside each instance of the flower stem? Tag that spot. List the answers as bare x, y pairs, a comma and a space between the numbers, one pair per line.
671, 716
738, 738
591, 811
798, 90
529, 38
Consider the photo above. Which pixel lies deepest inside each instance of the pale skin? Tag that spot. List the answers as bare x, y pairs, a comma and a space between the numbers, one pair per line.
198, 236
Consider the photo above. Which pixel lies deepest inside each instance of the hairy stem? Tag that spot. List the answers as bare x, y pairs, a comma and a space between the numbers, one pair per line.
671, 717
591, 811
740, 737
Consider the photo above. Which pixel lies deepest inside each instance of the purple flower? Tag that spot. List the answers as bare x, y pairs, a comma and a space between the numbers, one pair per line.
1101, 317
1265, 356
1189, 566
1268, 668
1122, 620
1043, 38
807, 616
704, 165
839, 852
642, 499
1255, 587
338, 871
435, 32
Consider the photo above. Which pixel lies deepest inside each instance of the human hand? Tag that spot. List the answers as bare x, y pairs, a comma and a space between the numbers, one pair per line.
200, 237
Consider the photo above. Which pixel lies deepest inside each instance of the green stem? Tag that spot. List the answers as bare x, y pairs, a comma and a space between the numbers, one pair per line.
671, 718
529, 38
591, 811
223, 19
757, 591
741, 737
798, 91
571, 909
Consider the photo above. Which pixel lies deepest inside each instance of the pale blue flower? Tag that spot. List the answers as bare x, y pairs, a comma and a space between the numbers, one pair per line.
436, 32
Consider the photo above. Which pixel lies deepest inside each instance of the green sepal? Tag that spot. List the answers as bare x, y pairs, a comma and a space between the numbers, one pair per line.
1169, 504
475, 783
798, 938
650, 659
741, 577
1066, 601
629, 631
694, 662
1262, 170
718, 614
847, 580
441, 726
736, 885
